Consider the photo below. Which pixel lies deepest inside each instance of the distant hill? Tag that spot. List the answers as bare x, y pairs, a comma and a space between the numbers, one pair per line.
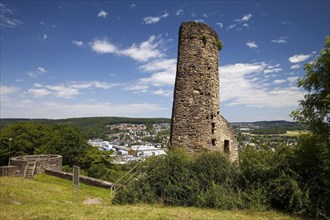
280, 123
269, 127
86, 121
95, 126
90, 126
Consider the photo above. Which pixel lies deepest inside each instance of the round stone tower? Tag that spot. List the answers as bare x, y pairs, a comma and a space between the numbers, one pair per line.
196, 106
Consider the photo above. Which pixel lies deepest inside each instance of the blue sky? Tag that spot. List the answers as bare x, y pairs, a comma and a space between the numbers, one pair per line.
118, 58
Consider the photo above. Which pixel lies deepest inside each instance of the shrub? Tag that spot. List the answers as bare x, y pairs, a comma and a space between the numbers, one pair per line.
221, 197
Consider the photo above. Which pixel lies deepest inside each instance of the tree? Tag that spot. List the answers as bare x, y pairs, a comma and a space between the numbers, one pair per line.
22, 139
33, 138
312, 161
314, 110
68, 142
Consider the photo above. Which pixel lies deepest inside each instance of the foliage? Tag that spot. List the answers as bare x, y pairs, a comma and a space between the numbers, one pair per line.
313, 152
218, 43
205, 37
32, 138
206, 180
312, 163
314, 110
68, 142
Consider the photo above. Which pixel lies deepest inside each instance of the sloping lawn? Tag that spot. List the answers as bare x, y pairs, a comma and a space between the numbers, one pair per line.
47, 197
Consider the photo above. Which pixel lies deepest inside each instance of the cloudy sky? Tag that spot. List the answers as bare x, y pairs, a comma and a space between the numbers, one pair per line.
118, 58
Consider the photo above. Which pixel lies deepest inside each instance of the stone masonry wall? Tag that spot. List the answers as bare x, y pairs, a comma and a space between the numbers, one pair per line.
228, 136
9, 171
45, 161
196, 120
83, 179
196, 113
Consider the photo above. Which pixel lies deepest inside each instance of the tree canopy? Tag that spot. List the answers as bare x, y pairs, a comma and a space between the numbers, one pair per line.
314, 110
32, 138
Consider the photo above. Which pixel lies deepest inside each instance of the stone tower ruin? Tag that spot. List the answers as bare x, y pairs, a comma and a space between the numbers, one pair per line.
196, 121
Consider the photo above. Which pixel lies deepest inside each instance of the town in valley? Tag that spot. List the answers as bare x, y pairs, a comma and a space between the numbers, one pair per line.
130, 142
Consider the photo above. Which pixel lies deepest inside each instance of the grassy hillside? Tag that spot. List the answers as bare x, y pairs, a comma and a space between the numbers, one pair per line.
47, 197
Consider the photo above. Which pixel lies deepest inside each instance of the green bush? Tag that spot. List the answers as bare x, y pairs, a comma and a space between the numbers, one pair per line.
213, 168
221, 196
285, 194
207, 180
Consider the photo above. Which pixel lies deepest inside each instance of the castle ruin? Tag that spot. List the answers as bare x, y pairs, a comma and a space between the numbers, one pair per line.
196, 121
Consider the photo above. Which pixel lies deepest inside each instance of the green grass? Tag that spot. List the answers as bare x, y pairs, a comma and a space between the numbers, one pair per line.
47, 197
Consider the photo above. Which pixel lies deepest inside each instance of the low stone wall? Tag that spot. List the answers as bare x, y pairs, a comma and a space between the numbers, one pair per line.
9, 171
83, 179
43, 162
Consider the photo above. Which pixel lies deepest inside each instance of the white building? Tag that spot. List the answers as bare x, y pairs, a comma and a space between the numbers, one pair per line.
147, 150
102, 145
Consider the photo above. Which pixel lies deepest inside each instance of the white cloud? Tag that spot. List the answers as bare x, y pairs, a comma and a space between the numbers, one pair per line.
132, 6
299, 58
272, 70
78, 43
6, 90
219, 24
102, 14
38, 85
287, 22
296, 66
205, 15
39, 92
103, 46
199, 20
292, 79
231, 26
162, 92
143, 52
246, 17
240, 22
163, 72
63, 91
137, 87
41, 69
279, 81
6, 17
179, 12
55, 110
36, 73
67, 90
239, 87
153, 20
280, 40
45, 37
159, 78
252, 44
